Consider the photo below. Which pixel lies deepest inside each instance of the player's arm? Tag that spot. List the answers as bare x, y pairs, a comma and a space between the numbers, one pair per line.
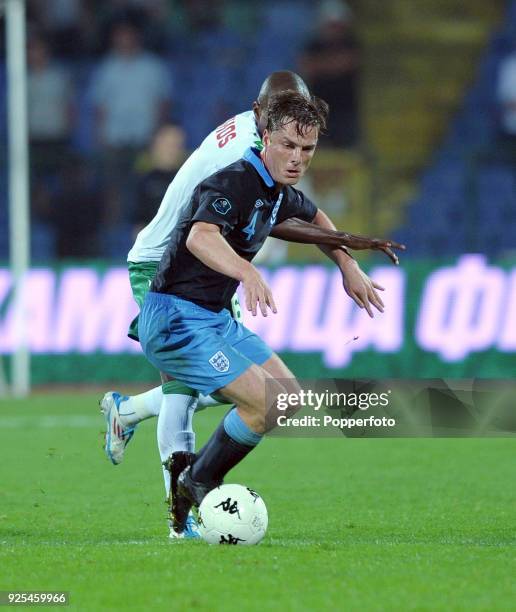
206, 242
360, 288
297, 230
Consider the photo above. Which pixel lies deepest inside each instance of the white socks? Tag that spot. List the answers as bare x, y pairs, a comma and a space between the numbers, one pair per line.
137, 408
140, 407
175, 431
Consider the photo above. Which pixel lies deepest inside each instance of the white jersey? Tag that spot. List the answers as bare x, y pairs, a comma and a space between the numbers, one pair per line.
222, 147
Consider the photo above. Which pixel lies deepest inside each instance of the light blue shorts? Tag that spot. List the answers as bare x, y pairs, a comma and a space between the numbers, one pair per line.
205, 350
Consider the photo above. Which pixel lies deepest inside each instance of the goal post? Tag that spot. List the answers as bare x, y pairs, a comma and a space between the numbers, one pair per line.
18, 193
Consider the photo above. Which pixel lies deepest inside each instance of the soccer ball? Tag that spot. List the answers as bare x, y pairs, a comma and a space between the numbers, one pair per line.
232, 514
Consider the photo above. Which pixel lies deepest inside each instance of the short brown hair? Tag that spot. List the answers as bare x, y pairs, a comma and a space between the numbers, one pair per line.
290, 106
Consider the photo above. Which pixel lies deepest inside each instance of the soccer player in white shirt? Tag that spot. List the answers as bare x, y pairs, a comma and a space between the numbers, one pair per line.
222, 147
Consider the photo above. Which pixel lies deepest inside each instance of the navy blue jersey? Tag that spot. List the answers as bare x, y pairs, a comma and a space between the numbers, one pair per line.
243, 200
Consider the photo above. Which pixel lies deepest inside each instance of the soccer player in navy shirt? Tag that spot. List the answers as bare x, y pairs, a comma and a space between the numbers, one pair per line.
186, 328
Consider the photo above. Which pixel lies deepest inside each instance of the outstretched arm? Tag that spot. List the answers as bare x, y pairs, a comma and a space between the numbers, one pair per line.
360, 288
297, 230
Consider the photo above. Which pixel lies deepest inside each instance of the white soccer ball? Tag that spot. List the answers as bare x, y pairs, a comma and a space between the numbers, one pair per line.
233, 514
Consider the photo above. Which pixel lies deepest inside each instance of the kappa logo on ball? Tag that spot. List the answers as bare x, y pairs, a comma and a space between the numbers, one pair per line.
222, 206
220, 362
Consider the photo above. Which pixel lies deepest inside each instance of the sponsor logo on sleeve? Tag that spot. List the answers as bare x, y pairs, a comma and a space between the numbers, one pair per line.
221, 205
276, 208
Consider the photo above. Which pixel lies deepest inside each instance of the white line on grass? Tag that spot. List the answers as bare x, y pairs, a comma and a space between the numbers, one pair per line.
50, 421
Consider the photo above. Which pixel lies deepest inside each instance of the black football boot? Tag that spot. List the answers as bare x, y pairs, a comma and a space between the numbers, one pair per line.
192, 490
178, 506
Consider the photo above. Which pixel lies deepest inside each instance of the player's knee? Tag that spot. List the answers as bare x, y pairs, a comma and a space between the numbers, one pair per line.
259, 405
291, 386
281, 375
286, 401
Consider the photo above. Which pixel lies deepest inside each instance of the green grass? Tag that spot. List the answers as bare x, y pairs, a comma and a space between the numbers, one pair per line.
354, 524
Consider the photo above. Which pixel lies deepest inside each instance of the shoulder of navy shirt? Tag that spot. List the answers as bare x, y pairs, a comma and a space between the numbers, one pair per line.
252, 155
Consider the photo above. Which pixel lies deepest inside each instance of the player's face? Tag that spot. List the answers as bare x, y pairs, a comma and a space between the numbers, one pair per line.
287, 154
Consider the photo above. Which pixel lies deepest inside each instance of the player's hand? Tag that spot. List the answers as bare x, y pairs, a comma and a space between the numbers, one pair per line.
362, 243
257, 292
361, 289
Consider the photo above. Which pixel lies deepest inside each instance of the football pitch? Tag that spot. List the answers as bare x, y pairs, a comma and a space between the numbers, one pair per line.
354, 524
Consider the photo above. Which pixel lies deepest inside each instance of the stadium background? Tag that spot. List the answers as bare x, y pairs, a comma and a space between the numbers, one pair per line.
417, 163
355, 523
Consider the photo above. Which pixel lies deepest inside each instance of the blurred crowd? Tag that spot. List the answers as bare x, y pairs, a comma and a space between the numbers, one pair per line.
121, 90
